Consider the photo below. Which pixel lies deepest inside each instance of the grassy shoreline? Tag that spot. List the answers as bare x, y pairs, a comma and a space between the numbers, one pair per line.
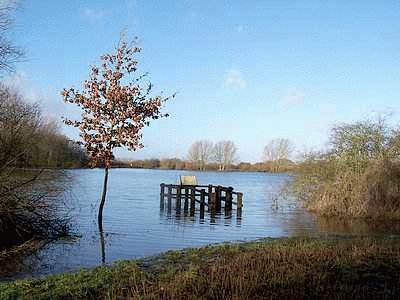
269, 268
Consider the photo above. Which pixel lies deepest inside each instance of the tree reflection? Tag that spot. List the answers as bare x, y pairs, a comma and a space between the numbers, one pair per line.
102, 247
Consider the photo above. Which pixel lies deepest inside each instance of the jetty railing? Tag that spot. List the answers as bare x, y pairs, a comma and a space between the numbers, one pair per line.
214, 197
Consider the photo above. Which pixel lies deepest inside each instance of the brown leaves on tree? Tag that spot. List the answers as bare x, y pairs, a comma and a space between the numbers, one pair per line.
115, 106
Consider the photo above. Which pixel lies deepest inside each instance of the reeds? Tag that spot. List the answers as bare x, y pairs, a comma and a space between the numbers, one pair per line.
359, 176
374, 192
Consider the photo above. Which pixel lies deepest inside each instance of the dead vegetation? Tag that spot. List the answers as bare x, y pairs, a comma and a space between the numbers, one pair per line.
358, 177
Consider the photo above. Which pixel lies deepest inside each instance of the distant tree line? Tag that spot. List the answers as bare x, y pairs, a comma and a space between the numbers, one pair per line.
204, 155
28, 140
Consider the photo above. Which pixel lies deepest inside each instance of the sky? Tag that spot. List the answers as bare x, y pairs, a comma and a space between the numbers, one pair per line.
247, 71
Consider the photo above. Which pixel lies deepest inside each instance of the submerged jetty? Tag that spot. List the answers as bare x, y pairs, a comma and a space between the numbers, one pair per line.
213, 197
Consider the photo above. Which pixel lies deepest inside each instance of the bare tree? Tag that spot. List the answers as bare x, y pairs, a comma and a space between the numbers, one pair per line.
19, 122
27, 209
115, 107
225, 154
9, 53
277, 151
194, 153
29, 140
200, 153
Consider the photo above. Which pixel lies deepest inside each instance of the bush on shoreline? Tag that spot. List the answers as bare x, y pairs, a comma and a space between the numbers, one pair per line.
359, 176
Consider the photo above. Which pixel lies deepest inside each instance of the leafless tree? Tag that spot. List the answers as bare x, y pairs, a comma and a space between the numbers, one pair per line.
9, 53
27, 206
225, 154
19, 122
200, 153
277, 151
29, 140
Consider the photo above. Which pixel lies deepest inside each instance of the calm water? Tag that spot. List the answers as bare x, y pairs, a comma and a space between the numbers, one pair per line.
135, 226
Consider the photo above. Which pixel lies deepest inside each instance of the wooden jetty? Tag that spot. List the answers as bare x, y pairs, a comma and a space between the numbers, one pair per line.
212, 197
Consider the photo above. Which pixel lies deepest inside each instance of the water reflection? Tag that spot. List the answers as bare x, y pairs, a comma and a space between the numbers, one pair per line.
348, 226
102, 247
181, 212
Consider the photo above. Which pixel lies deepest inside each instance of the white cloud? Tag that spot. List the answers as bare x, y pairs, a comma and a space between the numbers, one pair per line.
293, 97
234, 80
15, 79
21, 82
94, 16
51, 103
240, 28
327, 107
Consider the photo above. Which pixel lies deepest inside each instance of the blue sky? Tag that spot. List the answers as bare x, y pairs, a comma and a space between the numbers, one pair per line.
248, 71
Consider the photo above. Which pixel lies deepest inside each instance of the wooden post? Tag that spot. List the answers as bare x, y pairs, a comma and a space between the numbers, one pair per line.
212, 202
169, 198
162, 186
239, 200
186, 192
169, 191
239, 206
186, 204
211, 207
192, 200
218, 198
178, 199
210, 188
210, 197
228, 199
202, 203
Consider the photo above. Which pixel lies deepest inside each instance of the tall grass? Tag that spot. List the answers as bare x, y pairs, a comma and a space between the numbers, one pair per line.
299, 268
358, 176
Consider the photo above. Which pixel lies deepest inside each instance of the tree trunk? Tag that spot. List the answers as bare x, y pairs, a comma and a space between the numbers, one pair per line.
103, 200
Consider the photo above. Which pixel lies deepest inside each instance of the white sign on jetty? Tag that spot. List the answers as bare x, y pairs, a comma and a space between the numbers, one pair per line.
187, 180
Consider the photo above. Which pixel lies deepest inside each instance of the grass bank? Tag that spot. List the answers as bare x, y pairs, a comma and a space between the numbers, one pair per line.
331, 268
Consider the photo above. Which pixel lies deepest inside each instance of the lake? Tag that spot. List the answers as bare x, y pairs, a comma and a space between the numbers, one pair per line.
135, 226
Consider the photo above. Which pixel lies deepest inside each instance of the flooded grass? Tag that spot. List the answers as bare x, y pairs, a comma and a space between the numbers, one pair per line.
12, 259
333, 268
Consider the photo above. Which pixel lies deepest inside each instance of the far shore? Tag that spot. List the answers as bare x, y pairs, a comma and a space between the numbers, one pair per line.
160, 169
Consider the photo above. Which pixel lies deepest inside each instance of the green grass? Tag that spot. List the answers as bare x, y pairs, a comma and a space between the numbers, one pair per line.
331, 268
